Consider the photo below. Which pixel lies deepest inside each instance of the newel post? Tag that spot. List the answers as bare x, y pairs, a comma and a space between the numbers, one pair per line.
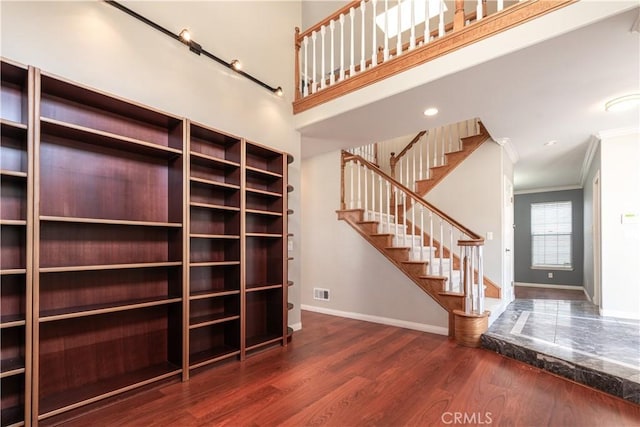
392, 164
458, 18
296, 41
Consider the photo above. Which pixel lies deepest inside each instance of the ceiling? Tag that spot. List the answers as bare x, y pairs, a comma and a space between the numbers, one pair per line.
554, 90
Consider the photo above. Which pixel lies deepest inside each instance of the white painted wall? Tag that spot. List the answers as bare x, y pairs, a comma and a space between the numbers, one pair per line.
362, 282
620, 188
473, 195
94, 44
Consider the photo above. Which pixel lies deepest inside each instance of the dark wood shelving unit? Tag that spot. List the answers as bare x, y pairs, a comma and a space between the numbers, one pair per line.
16, 211
108, 254
214, 304
137, 247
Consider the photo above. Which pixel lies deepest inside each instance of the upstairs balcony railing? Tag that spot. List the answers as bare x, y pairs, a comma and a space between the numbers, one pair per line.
369, 40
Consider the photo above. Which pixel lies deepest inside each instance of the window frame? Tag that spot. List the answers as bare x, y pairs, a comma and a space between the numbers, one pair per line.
565, 267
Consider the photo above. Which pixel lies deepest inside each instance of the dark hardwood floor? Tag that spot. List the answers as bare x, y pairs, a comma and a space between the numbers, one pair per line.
525, 292
342, 372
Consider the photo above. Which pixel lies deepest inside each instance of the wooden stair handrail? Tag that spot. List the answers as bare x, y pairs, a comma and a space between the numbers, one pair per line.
395, 159
334, 16
474, 236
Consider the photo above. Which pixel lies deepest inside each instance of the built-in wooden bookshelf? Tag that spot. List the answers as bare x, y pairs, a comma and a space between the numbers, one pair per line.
137, 247
16, 208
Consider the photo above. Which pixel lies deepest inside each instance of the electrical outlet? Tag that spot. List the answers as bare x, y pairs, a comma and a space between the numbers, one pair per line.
321, 294
550, 275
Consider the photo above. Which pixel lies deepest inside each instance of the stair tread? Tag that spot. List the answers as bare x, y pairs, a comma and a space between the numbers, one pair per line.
415, 262
398, 248
451, 293
368, 222
382, 234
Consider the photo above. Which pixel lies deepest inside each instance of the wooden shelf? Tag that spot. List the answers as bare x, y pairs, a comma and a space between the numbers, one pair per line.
215, 236
215, 294
13, 416
263, 192
97, 309
211, 159
213, 263
216, 207
71, 399
12, 271
251, 169
105, 139
289, 211
214, 319
258, 288
109, 267
212, 355
273, 235
259, 212
13, 222
7, 125
11, 321
214, 183
11, 367
254, 343
109, 221
290, 283
12, 174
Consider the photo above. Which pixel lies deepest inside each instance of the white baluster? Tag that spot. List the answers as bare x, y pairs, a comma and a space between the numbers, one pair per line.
430, 243
441, 272
413, 180
352, 66
363, 62
473, 280
341, 46
421, 233
441, 19
428, 145
380, 198
461, 278
366, 194
400, 176
442, 145
323, 80
407, 181
449, 137
399, 39
413, 228
480, 281
421, 149
313, 38
467, 282
435, 146
427, 28
359, 184
412, 38
479, 10
385, 52
395, 202
352, 182
388, 206
305, 90
450, 281
500, 5
332, 77
404, 218
374, 55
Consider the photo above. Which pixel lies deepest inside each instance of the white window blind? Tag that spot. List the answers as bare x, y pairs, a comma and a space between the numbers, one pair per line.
551, 234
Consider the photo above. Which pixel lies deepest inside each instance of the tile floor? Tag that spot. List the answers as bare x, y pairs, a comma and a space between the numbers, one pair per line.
570, 339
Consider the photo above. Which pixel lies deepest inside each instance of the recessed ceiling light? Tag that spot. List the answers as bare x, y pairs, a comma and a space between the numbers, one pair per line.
549, 143
623, 103
432, 111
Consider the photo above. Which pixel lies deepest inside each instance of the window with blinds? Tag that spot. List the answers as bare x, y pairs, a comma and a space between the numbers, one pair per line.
551, 235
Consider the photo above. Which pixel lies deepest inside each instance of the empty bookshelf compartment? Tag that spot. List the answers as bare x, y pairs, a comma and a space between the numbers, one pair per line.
264, 201
208, 311
81, 362
12, 298
92, 181
214, 279
13, 198
13, 93
68, 245
81, 292
12, 351
257, 180
214, 250
214, 195
264, 262
13, 149
12, 397
214, 342
69, 103
263, 159
260, 223
12, 251
264, 317
214, 173
214, 222
215, 144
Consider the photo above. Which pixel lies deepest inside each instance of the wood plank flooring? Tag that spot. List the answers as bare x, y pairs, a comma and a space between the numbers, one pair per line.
525, 292
343, 372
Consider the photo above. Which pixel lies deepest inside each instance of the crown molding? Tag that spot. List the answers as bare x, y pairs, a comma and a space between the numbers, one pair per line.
614, 133
548, 189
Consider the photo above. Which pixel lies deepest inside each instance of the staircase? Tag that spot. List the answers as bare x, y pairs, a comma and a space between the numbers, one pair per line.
440, 255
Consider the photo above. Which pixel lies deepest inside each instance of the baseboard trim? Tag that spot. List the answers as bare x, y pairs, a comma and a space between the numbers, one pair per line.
586, 294
377, 319
548, 286
620, 314
296, 326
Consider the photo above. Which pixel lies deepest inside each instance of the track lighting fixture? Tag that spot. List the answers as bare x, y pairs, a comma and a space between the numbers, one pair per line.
186, 37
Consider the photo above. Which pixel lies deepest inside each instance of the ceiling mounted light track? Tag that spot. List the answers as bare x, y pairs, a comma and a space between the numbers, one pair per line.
186, 37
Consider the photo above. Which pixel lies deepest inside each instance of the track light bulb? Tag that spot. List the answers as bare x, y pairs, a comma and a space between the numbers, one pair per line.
185, 35
279, 91
236, 65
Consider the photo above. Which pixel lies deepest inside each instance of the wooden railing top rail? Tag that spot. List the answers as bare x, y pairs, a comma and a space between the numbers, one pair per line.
395, 159
333, 17
475, 238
